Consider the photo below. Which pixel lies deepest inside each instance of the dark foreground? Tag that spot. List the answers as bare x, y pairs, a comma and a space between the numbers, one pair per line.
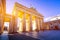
20, 37
16, 36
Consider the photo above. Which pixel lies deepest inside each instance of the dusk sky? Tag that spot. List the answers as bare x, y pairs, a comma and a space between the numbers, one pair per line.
47, 8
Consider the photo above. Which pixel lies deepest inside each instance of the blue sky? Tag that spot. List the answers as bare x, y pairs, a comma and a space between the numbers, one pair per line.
47, 8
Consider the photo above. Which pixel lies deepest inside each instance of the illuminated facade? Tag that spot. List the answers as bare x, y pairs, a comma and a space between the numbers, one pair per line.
23, 19
29, 18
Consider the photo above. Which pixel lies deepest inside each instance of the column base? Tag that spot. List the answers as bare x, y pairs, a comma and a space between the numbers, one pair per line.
13, 32
0, 33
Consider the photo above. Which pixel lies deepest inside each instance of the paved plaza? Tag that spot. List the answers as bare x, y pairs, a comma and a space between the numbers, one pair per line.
42, 35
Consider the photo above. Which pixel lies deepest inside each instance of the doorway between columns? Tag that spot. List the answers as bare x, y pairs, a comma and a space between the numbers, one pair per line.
6, 27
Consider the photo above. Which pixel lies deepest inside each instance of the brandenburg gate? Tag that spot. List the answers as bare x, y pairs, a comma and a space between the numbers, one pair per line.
23, 19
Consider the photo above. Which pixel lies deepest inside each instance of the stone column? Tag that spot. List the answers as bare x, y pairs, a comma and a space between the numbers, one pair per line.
41, 20
24, 22
40, 23
36, 23
1, 23
30, 23
15, 25
2, 14
11, 23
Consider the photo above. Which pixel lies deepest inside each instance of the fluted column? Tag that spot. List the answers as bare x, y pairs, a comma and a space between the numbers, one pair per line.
24, 22
41, 22
2, 14
15, 25
38, 20
1, 23
36, 23
11, 24
30, 23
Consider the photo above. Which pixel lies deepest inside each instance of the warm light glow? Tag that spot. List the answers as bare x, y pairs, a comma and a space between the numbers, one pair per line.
34, 25
6, 19
14, 13
27, 22
20, 25
20, 14
27, 16
27, 25
33, 17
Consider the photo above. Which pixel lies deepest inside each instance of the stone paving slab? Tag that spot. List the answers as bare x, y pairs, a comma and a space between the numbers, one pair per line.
20, 37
